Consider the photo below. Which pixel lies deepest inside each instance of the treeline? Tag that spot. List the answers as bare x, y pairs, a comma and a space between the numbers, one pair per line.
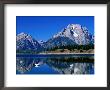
27, 52
72, 47
69, 47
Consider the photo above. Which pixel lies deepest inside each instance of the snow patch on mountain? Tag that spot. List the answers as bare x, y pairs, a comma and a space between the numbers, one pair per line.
41, 42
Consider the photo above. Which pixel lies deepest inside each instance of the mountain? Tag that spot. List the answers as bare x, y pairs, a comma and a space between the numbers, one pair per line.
73, 34
41, 42
58, 41
26, 42
77, 33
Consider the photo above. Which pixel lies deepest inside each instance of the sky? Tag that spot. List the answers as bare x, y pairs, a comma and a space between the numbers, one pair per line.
44, 27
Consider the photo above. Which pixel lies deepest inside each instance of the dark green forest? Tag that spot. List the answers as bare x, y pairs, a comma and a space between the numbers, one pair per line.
72, 47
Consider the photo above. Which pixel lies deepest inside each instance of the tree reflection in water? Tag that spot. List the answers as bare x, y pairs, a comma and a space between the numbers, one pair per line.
62, 65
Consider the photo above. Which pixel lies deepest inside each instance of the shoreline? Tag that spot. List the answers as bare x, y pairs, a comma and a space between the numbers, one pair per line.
57, 54
63, 53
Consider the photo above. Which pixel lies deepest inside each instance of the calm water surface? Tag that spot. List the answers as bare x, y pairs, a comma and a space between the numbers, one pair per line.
55, 64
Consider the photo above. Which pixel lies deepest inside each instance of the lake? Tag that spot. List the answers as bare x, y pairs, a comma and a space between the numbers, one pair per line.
55, 64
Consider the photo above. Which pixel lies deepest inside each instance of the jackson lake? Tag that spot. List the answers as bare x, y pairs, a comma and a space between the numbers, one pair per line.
55, 64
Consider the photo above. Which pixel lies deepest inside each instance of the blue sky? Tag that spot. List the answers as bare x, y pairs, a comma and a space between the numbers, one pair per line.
44, 27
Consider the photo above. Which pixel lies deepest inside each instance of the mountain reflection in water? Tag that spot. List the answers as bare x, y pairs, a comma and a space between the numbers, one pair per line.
55, 64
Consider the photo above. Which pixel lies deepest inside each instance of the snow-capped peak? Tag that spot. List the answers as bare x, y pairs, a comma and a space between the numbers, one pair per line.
74, 26
23, 35
25, 41
69, 31
75, 32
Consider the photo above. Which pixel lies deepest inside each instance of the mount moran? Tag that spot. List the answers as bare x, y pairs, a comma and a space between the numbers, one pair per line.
73, 34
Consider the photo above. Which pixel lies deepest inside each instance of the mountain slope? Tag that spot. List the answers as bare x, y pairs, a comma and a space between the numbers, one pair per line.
26, 42
58, 41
